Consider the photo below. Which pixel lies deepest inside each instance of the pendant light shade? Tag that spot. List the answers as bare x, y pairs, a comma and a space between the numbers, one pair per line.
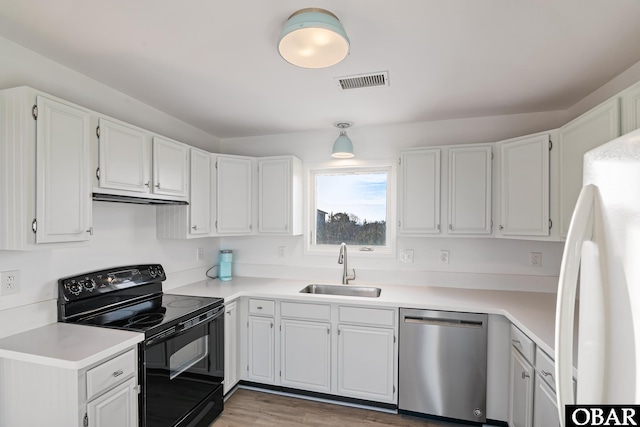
313, 38
343, 147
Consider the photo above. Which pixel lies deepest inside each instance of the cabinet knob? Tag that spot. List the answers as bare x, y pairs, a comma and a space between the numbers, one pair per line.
157, 185
525, 375
146, 184
195, 227
90, 231
451, 227
501, 228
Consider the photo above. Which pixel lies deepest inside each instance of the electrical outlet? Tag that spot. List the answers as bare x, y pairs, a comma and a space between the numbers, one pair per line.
407, 256
9, 282
282, 250
199, 254
444, 256
536, 259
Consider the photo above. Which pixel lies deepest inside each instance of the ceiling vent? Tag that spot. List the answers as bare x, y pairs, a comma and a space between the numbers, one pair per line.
363, 80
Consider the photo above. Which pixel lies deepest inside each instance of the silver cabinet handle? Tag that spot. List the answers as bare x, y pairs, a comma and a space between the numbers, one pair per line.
546, 374
90, 231
328, 331
517, 342
450, 227
195, 227
146, 184
524, 375
259, 308
501, 228
157, 185
118, 373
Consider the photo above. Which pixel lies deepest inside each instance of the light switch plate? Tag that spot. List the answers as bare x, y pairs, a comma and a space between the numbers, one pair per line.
407, 256
444, 256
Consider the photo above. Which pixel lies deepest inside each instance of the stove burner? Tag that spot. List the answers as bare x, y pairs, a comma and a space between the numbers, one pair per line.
146, 319
183, 303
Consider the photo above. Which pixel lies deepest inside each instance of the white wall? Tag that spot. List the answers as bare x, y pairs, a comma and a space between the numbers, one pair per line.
123, 234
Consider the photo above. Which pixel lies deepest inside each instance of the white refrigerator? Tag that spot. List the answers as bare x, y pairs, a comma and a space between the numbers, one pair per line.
601, 265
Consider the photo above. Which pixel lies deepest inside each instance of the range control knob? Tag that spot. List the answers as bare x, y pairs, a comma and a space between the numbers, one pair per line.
152, 272
89, 284
74, 288
159, 271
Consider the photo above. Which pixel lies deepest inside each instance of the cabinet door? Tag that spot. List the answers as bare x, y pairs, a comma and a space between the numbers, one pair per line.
274, 196
306, 355
521, 391
234, 195
260, 350
118, 407
124, 158
230, 346
594, 128
631, 108
420, 192
170, 160
470, 190
63, 202
524, 186
545, 412
200, 200
366, 363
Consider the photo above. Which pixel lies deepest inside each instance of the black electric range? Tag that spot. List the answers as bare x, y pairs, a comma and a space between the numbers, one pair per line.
181, 365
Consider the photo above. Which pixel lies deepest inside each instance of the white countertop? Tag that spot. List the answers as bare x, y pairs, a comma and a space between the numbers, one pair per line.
66, 345
532, 312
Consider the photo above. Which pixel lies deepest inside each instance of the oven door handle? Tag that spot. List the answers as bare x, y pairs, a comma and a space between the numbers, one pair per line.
182, 328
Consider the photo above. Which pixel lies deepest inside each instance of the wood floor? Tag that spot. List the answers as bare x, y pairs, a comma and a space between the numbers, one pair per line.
255, 408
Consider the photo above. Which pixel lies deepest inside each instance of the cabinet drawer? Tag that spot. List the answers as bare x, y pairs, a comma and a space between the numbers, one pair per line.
522, 343
262, 306
305, 311
367, 316
112, 372
546, 368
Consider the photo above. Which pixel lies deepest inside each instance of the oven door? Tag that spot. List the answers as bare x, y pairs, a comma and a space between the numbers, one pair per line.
182, 375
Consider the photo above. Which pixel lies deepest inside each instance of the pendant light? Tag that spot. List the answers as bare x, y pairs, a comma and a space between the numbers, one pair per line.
313, 38
343, 147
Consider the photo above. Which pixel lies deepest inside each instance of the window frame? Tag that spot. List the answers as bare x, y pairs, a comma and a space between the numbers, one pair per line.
350, 166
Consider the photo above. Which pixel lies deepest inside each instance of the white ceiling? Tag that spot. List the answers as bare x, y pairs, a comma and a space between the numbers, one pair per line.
214, 64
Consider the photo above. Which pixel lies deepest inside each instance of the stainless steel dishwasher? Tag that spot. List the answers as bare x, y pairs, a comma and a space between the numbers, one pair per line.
443, 364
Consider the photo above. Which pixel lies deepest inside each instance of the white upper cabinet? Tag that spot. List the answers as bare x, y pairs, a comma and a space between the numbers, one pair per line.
137, 163
280, 195
200, 196
63, 204
631, 108
470, 190
124, 157
234, 190
170, 167
45, 164
524, 186
594, 128
419, 195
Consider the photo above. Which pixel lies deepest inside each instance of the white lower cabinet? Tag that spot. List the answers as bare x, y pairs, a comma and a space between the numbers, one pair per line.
260, 350
366, 363
231, 375
117, 407
545, 411
334, 349
104, 394
306, 355
521, 391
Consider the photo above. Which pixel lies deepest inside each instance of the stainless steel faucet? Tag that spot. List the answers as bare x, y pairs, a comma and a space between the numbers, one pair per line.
342, 259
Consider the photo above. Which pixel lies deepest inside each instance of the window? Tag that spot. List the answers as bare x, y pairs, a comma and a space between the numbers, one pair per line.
351, 205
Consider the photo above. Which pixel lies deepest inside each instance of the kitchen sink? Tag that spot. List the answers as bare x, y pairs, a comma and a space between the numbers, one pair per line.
344, 290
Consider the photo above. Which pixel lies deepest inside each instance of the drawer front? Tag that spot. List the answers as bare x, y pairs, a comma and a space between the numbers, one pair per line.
110, 373
262, 307
546, 368
367, 316
305, 311
523, 344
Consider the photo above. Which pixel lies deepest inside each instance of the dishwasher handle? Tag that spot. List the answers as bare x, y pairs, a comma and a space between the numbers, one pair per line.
434, 321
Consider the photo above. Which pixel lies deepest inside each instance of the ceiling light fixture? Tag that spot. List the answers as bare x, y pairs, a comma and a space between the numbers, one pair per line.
343, 147
313, 38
